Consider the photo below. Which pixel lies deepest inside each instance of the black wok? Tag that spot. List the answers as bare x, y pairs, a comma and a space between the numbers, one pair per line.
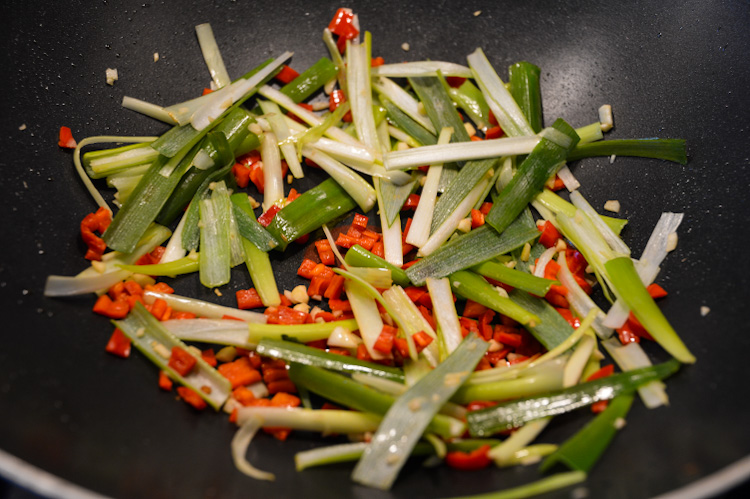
669, 69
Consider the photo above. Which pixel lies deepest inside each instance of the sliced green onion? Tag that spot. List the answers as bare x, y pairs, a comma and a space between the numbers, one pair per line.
185, 265
410, 414
394, 196
240, 444
153, 340
474, 287
666, 149
515, 278
580, 302
421, 68
449, 328
548, 484
357, 256
582, 450
309, 356
590, 133
202, 308
627, 285
304, 333
357, 187
516, 413
608, 234
403, 101
632, 356
107, 162
543, 378
504, 452
148, 109
320, 205
506, 110
551, 329
460, 151
215, 214
216, 331
419, 232
529, 180
404, 122
365, 312
212, 55
472, 248
344, 391
391, 232
469, 98
310, 80
323, 421
248, 226
524, 88
556, 204
280, 129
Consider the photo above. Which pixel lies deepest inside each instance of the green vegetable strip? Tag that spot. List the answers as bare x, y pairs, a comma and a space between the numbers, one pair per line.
627, 286
319, 205
552, 329
300, 332
666, 149
191, 230
411, 413
504, 107
553, 482
248, 226
99, 164
407, 124
470, 99
467, 178
184, 265
180, 137
394, 197
234, 128
438, 106
132, 220
515, 278
556, 204
309, 356
473, 287
215, 216
582, 450
529, 180
472, 248
256, 259
310, 81
590, 133
524, 87
345, 391
516, 413
154, 341
546, 380
357, 256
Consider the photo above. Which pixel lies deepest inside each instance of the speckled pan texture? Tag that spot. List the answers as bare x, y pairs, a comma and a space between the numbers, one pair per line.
669, 69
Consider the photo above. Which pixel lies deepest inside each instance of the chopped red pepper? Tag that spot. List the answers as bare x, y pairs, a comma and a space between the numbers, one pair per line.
98, 221
477, 218
376, 61
164, 382
286, 75
239, 372
494, 133
248, 298
550, 235
267, 217
66, 139
454, 81
191, 397
181, 361
411, 202
605, 371
325, 252
474, 460
656, 291
384, 343
118, 344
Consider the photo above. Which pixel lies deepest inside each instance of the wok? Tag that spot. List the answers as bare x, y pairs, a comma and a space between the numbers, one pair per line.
669, 69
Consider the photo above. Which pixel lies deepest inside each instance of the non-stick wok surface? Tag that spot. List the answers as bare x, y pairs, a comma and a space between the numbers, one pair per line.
669, 69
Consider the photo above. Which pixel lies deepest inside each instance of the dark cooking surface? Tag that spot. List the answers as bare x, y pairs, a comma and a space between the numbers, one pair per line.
101, 422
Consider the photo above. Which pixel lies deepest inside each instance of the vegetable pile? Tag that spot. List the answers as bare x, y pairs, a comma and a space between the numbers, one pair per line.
447, 310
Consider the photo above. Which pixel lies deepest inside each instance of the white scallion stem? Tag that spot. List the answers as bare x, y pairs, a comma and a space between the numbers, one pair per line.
359, 92
279, 127
449, 226
579, 358
632, 356
608, 234
273, 181
422, 68
449, 328
357, 187
404, 101
459, 151
509, 116
504, 452
580, 302
212, 55
571, 183
175, 250
365, 311
240, 444
419, 231
148, 109
202, 308
392, 247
